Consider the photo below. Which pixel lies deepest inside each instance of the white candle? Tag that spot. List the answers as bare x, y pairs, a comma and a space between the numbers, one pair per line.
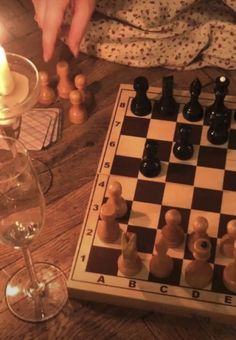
6, 78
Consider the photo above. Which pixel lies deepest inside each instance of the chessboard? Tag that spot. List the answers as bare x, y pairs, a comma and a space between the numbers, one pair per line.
204, 185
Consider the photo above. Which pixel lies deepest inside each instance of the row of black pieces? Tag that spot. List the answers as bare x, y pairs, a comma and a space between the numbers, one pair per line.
217, 115
151, 166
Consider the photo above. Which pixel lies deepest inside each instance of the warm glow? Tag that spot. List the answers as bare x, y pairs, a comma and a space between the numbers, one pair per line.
6, 78
12, 291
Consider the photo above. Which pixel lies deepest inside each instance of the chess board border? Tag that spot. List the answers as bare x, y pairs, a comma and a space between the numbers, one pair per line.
110, 293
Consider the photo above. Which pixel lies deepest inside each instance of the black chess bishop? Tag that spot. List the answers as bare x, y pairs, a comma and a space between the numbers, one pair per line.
150, 165
167, 105
141, 104
193, 110
183, 149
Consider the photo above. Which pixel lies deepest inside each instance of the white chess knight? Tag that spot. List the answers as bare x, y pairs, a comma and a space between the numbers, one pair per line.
129, 262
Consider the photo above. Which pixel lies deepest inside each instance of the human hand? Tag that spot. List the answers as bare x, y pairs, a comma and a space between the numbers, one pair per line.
49, 16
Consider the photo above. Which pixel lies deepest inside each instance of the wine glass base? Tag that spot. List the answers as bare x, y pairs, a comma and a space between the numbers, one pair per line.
43, 304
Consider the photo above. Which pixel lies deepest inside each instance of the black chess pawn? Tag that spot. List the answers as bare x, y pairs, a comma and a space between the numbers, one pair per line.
218, 130
183, 149
193, 110
218, 107
150, 165
166, 105
141, 104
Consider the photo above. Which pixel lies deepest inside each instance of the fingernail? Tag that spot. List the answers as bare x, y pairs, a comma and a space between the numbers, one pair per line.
75, 50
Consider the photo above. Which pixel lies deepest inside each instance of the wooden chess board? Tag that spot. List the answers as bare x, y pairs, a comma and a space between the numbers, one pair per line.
205, 186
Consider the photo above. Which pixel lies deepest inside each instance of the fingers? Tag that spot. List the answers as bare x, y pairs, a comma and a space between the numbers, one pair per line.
82, 14
51, 24
39, 8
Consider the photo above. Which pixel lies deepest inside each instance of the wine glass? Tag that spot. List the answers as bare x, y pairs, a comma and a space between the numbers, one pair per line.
38, 291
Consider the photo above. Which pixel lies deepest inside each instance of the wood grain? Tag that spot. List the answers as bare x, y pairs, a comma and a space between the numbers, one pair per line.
73, 160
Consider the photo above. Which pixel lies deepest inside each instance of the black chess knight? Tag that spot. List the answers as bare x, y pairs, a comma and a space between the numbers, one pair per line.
150, 165
166, 105
193, 110
141, 104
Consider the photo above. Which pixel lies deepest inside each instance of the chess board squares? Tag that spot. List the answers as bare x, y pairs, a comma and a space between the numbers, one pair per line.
192, 161
174, 278
231, 160
180, 173
125, 166
212, 157
150, 192
213, 219
209, 178
178, 195
204, 140
230, 180
228, 206
161, 130
163, 117
217, 281
128, 185
232, 140
144, 215
145, 238
195, 135
207, 199
103, 260
160, 178
224, 219
135, 126
130, 146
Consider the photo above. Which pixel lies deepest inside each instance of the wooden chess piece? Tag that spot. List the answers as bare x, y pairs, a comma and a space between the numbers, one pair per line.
81, 85
229, 273
108, 228
47, 95
200, 226
64, 86
198, 273
129, 262
115, 199
227, 241
77, 111
172, 231
161, 264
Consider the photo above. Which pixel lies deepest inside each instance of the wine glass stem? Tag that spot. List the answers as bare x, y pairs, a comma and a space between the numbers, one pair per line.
35, 285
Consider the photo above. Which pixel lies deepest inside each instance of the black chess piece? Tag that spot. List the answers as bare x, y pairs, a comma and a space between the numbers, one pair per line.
218, 131
166, 105
218, 107
193, 110
150, 165
183, 149
141, 104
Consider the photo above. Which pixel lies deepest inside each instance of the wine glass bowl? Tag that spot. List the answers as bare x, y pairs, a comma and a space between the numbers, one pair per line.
38, 291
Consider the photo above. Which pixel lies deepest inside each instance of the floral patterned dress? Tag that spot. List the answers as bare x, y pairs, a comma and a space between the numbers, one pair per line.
178, 34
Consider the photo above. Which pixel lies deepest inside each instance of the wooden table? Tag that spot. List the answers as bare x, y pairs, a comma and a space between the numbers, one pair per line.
73, 161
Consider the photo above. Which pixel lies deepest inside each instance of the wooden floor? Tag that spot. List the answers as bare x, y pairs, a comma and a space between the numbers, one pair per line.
73, 161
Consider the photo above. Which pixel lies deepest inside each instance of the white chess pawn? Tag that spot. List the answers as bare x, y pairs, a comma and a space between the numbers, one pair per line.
200, 226
129, 262
108, 228
47, 95
229, 273
64, 86
198, 273
81, 85
173, 232
77, 111
115, 199
227, 241
161, 264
